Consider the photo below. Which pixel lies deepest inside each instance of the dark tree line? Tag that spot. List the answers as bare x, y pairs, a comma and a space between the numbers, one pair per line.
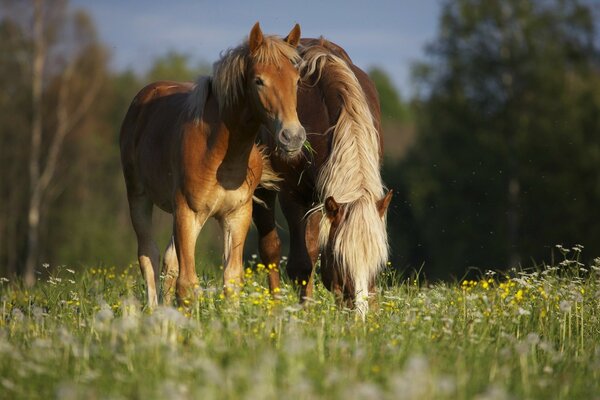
507, 159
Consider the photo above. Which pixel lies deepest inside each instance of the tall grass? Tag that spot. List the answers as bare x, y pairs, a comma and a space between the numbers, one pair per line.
85, 334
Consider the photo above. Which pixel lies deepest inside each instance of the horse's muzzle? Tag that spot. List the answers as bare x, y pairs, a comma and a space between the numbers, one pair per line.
291, 140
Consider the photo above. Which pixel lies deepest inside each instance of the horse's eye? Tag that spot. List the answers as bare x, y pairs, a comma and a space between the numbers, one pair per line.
259, 82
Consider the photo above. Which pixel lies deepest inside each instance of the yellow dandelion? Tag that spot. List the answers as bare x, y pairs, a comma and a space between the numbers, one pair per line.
519, 295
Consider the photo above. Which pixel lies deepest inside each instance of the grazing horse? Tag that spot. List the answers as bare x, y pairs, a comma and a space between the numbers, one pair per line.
190, 150
338, 174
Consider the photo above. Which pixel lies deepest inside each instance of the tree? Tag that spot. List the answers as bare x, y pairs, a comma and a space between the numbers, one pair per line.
176, 66
396, 116
392, 107
507, 133
14, 98
66, 66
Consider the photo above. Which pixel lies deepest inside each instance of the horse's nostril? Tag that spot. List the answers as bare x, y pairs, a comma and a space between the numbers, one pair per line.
292, 139
286, 136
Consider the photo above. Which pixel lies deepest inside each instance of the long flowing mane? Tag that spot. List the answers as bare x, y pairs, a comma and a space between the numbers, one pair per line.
229, 72
351, 174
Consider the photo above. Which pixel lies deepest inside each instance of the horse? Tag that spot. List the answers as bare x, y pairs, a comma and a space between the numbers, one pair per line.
332, 195
190, 150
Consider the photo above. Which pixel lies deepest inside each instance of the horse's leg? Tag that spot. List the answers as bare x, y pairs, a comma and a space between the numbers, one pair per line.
235, 227
269, 245
187, 225
140, 208
332, 280
170, 272
303, 244
311, 238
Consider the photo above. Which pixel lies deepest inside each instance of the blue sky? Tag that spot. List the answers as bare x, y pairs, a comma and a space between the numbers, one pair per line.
387, 33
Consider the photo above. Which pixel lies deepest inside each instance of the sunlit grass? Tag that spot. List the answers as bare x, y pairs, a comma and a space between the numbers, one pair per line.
85, 334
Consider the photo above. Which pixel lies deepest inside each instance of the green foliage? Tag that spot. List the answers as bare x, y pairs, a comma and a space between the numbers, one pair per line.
85, 217
508, 136
175, 66
86, 334
392, 107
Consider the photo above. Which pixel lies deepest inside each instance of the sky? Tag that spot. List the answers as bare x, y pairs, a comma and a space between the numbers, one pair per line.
390, 34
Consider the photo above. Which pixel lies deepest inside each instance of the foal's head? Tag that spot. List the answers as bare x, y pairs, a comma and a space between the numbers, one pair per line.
271, 84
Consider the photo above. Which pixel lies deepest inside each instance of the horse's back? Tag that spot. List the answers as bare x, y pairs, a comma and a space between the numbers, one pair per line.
148, 135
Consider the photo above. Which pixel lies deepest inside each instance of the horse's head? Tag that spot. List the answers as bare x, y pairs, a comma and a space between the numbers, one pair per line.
272, 82
355, 246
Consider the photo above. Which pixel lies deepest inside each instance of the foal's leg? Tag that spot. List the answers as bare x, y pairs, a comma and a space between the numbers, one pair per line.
170, 272
140, 208
235, 228
187, 225
269, 245
303, 245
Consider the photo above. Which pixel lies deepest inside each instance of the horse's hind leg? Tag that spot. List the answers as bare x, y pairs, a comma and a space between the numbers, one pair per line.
140, 208
269, 245
170, 272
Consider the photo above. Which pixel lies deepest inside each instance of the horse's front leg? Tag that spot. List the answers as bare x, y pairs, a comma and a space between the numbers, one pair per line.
269, 245
187, 225
235, 227
304, 247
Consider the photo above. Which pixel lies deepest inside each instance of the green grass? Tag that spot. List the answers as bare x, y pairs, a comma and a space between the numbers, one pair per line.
85, 334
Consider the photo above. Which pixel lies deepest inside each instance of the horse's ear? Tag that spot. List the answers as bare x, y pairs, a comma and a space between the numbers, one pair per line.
294, 36
384, 202
256, 38
332, 208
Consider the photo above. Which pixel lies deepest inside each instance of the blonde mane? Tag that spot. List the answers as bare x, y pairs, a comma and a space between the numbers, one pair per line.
351, 175
229, 73
197, 98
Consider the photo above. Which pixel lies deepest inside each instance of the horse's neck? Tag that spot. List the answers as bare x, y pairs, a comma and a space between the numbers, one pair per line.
238, 134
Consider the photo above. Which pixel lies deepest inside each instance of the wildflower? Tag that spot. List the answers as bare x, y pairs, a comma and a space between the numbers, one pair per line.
17, 315
522, 311
519, 295
565, 306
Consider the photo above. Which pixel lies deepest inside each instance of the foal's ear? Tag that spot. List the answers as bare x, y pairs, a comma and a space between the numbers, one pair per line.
293, 38
332, 208
384, 202
256, 38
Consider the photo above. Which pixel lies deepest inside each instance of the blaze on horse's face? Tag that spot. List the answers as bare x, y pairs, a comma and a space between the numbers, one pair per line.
274, 88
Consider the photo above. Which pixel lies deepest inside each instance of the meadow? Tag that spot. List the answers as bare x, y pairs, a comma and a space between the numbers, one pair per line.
85, 334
